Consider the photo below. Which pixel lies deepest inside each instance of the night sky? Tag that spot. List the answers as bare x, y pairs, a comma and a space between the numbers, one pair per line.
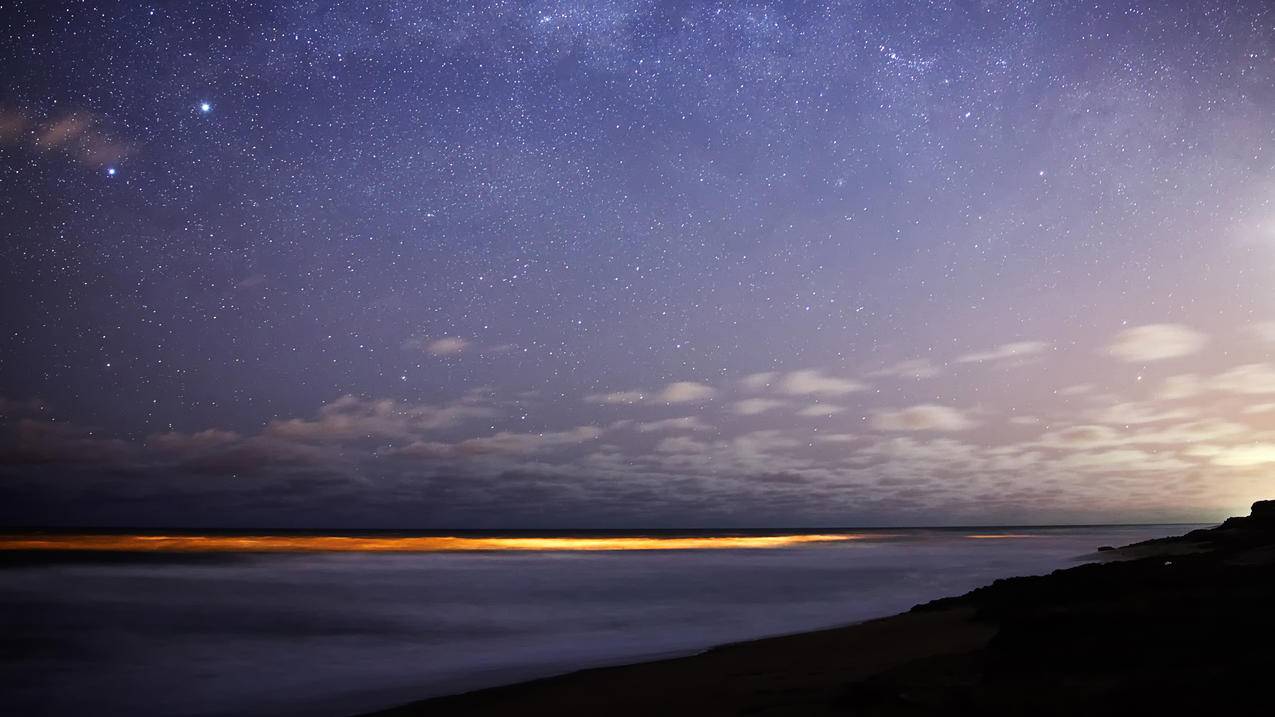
622, 264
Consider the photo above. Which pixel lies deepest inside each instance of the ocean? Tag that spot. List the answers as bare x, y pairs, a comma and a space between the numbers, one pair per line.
319, 633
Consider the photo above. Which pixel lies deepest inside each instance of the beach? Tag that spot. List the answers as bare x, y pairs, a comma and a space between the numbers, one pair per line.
1169, 626
205, 625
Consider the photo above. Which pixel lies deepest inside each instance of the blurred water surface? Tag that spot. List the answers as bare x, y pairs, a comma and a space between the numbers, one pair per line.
336, 634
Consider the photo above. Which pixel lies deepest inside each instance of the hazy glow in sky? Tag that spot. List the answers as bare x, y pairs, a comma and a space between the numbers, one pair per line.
441, 544
633, 264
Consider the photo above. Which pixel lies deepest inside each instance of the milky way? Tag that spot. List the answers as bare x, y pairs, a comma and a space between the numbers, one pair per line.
635, 263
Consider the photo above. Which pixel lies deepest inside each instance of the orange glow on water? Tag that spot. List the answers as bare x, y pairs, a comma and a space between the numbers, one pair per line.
999, 536
343, 544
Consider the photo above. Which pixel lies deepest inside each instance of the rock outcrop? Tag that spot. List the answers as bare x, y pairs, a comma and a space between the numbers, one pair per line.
1185, 628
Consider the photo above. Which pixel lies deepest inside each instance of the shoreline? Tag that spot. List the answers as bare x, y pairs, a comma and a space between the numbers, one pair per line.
505, 698
986, 648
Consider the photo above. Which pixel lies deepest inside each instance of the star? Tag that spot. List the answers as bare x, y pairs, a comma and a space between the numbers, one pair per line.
639, 197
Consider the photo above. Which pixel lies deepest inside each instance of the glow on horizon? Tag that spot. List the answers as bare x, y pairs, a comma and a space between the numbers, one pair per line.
348, 544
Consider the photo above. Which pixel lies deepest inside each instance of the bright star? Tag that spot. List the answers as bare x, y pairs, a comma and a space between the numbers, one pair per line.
110, 171
205, 107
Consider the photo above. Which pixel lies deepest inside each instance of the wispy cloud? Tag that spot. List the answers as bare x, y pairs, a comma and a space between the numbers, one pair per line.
925, 417
686, 392
676, 392
76, 135
506, 443
820, 410
1250, 379
1015, 350
810, 382
1156, 342
446, 346
756, 406
351, 418
912, 368
684, 423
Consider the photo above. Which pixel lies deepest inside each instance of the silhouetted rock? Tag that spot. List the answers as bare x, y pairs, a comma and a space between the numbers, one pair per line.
1149, 635
1263, 510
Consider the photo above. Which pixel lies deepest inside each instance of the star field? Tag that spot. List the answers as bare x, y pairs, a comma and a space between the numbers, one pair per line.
640, 263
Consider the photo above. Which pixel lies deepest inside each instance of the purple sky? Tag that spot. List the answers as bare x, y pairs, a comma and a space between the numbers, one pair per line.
635, 263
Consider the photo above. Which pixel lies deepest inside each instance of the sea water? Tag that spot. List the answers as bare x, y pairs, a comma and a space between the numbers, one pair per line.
343, 633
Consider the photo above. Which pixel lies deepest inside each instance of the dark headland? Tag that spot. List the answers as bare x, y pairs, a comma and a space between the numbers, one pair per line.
1182, 625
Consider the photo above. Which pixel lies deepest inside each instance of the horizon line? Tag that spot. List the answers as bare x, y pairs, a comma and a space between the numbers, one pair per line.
337, 530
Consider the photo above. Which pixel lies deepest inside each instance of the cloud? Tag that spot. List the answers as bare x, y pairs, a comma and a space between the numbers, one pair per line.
925, 417
1099, 436
61, 131
211, 451
755, 406
686, 392
1252, 379
820, 410
676, 392
616, 397
912, 368
758, 381
1156, 342
219, 452
836, 438
1121, 459
523, 443
1249, 379
446, 346
1015, 350
1087, 436
804, 382
350, 418
47, 442
12, 125
452, 453
756, 443
918, 455
1137, 413
185, 443
685, 423
810, 382
1264, 330
1209, 429
1181, 386
503, 443
682, 445
10, 408
1252, 454
75, 135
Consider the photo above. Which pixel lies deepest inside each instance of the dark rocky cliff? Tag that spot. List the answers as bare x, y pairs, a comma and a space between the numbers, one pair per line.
1186, 627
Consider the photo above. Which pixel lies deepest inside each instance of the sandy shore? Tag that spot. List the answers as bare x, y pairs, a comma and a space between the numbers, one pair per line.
1173, 626
796, 672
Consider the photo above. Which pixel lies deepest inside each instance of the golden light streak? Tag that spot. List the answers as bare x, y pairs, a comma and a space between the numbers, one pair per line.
1000, 536
342, 544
